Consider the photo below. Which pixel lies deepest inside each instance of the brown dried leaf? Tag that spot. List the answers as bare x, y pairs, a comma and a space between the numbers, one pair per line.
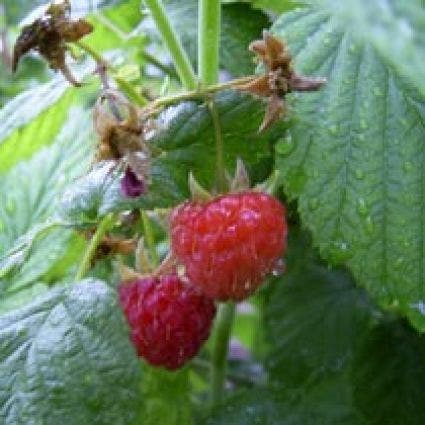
279, 77
274, 111
49, 34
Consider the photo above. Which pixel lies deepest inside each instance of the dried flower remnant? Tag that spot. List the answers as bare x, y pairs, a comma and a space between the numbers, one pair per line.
49, 34
131, 185
121, 138
278, 79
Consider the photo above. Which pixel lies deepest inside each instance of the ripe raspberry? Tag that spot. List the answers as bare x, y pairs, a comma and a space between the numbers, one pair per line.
229, 244
169, 320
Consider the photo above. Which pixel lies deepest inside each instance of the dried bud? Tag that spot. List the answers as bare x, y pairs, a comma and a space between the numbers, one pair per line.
131, 185
279, 77
49, 34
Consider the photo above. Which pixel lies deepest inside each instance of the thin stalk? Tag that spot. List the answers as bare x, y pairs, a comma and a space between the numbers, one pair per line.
166, 69
226, 314
219, 147
95, 241
103, 66
171, 39
201, 93
209, 18
149, 237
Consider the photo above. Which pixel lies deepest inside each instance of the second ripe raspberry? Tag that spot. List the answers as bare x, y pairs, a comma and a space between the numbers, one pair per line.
169, 319
229, 244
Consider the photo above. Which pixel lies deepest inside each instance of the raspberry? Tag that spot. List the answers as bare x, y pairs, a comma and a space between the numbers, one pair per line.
169, 319
229, 244
131, 185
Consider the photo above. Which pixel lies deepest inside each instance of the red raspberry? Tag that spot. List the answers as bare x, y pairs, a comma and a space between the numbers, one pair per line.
169, 320
229, 244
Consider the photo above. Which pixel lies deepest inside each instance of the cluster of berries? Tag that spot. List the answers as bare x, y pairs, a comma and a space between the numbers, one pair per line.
226, 245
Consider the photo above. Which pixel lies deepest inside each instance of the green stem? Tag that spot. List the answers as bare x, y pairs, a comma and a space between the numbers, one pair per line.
209, 17
201, 93
219, 147
125, 86
226, 314
170, 37
103, 227
203, 367
149, 237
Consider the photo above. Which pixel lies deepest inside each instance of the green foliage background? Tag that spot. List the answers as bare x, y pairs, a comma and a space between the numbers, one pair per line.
338, 338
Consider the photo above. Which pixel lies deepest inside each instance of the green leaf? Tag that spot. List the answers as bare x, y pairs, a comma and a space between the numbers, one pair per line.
34, 118
327, 403
186, 142
276, 6
30, 251
240, 25
113, 25
66, 358
389, 376
395, 29
166, 399
355, 159
314, 318
25, 200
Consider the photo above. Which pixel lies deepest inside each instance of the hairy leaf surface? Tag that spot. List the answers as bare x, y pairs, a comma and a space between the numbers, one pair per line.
355, 158
66, 358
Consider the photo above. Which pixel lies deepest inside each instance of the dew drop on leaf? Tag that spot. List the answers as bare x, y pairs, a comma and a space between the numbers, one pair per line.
278, 267
313, 204
398, 263
10, 206
296, 180
370, 227
359, 174
363, 124
285, 145
407, 166
333, 129
339, 251
362, 208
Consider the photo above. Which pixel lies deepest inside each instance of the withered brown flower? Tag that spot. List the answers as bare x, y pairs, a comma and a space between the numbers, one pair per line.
49, 34
278, 79
121, 133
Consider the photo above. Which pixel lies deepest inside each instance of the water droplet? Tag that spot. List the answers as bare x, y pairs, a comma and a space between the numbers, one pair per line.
10, 206
339, 251
314, 173
279, 267
326, 41
363, 124
353, 48
285, 145
333, 129
362, 208
377, 91
313, 204
420, 306
408, 166
398, 264
370, 227
296, 180
359, 174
